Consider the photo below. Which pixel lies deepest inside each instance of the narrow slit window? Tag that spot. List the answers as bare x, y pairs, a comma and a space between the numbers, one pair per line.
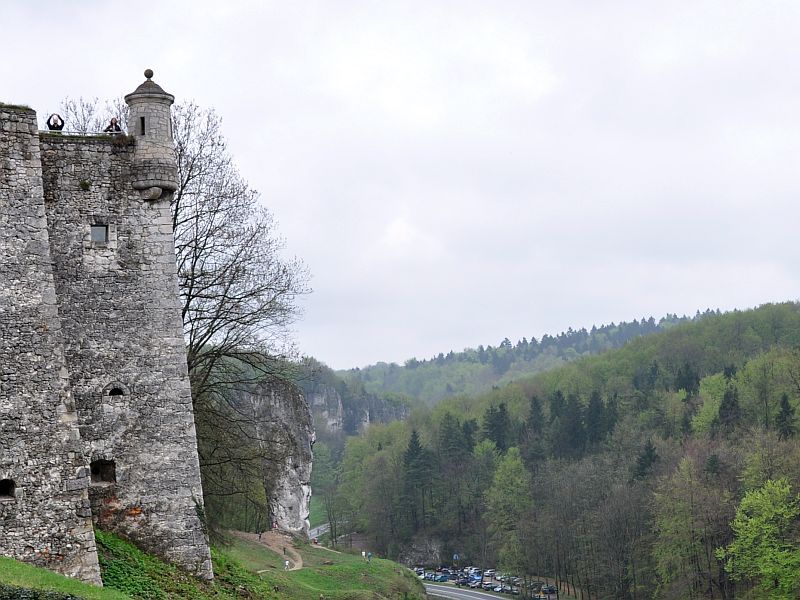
7, 488
141, 125
103, 471
99, 233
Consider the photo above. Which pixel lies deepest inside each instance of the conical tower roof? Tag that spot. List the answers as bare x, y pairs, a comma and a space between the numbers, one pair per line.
150, 89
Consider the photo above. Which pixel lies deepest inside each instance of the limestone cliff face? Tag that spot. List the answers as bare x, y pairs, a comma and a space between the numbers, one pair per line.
354, 412
336, 407
326, 408
283, 423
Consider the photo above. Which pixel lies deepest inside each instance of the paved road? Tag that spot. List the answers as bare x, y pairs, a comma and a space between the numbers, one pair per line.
318, 531
456, 593
448, 591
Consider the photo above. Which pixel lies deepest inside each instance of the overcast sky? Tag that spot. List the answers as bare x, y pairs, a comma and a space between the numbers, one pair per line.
453, 173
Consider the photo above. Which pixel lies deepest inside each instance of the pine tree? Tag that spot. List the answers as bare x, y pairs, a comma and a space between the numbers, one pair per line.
645, 461
418, 472
556, 405
612, 413
569, 435
469, 428
532, 444
595, 419
687, 379
730, 413
452, 446
497, 426
785, 420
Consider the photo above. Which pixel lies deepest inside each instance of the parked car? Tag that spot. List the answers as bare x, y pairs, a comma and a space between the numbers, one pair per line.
475, 583
535, 585
462, 581
442, 577
488, 585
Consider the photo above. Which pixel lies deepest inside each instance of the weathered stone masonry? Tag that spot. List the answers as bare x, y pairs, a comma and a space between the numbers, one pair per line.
93, 294
44, 512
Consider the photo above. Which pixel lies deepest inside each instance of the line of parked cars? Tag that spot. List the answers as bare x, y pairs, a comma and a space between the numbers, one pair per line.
488, 580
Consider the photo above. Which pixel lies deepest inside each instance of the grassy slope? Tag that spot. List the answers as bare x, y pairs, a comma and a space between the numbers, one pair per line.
22, 575
130, 573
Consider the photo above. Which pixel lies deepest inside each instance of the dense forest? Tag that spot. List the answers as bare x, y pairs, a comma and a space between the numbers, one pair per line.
476, 370
669, 468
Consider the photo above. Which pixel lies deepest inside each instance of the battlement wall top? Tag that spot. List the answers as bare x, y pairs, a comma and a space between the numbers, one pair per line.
16, 108
76, 136
17, 119
60, 142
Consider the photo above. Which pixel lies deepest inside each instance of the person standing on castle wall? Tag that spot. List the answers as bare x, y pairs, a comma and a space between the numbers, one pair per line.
113, 127
55, 122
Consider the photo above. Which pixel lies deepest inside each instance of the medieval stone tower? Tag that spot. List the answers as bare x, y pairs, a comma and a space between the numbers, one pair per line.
96, 415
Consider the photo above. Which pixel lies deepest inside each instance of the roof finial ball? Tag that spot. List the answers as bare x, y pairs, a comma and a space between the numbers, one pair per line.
148, 73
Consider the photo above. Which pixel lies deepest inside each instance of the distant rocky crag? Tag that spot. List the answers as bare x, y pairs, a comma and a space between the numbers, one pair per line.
340, 407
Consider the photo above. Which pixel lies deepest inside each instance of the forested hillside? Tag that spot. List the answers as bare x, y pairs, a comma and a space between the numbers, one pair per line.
669, 468
474, 371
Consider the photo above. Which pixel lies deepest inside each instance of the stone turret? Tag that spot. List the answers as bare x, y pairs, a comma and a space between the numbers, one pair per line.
154, 171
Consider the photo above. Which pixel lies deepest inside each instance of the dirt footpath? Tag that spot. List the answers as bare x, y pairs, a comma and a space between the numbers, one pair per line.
277, 541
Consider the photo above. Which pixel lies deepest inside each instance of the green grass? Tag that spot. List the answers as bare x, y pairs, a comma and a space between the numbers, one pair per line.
317, 514
20, 574
253, 556
130, 573
344, 577
243, 569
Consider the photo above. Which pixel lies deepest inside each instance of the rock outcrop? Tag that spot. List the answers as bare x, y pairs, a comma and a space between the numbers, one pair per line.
282, 423
338, 407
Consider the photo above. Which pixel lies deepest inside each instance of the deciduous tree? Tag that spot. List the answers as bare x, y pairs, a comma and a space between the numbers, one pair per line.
763, 548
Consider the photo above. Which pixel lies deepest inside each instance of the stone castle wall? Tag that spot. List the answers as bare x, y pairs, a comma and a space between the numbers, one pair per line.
95, 405
45, 517
123, 339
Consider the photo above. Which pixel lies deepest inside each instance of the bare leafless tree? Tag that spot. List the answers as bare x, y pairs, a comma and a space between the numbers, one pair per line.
238, 292
87, 115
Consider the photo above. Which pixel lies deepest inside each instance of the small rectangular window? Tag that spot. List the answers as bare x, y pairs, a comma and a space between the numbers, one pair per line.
103, 471
99, 233
141, 125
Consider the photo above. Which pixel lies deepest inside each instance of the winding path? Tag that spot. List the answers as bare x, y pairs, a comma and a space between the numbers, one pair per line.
278, 542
